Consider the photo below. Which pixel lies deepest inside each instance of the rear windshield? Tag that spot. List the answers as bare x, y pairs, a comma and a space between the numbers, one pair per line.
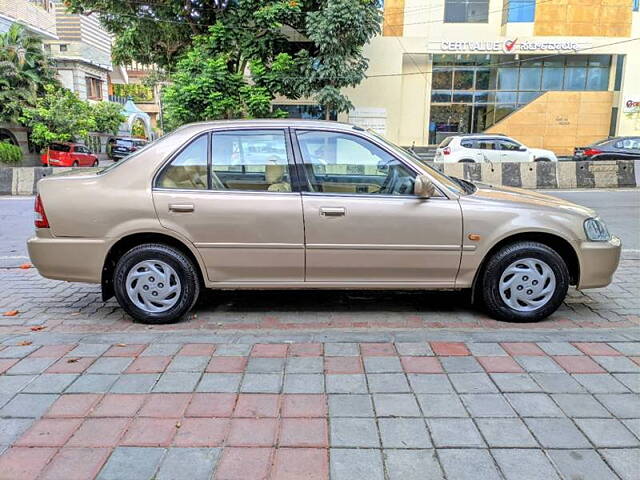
59, 147
124, 143
445, 142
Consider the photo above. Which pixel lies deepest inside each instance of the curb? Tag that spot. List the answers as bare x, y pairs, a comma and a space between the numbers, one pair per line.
545, 175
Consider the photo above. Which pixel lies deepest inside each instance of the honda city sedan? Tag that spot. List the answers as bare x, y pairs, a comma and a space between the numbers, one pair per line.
285, 204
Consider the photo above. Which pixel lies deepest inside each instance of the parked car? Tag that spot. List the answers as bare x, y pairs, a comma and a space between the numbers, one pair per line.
120, 147
489, 149
65, 154
342, 208
617, 148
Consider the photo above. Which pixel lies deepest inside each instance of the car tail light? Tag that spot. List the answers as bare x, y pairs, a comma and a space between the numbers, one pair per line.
446, 150
592, 151
40, 217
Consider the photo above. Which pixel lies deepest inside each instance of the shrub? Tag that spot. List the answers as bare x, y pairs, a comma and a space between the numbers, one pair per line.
10, 154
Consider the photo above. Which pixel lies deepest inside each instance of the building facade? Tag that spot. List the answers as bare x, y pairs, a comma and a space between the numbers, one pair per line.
37, 16
552, 73
82, 53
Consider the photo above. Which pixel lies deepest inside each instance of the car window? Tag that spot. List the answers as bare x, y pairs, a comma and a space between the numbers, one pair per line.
343, 163
508, 145
629, 144
188, 170
467, 143
253, 160
486, 144
60, 147
445, 142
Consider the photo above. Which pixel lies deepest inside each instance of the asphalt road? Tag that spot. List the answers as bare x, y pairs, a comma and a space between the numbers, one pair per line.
619, 208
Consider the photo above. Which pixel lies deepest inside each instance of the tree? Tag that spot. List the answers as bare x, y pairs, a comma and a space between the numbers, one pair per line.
107, 117
288, 47
25, 70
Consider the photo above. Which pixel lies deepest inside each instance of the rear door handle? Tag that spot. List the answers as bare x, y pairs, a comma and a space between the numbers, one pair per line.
332, 211
181, 207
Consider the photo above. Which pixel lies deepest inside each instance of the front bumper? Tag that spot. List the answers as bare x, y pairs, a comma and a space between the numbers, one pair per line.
70, 259
598, 262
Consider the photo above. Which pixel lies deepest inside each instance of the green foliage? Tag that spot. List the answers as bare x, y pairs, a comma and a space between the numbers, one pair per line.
107, 116
10, 154
137, 91
58, 116
25, 70
137, 130
292, 48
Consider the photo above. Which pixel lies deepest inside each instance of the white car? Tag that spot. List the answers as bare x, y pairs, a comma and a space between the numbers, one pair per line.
489, 149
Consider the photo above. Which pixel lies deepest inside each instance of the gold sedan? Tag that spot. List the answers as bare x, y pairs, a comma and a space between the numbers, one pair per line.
281, 204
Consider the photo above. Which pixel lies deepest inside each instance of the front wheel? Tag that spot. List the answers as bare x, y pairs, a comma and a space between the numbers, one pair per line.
155, 283
524, 282
95, 163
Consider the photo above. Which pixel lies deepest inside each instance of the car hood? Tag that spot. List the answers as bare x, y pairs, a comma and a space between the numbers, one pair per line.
528, 199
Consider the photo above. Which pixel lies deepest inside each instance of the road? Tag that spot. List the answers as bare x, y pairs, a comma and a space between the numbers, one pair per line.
619, 208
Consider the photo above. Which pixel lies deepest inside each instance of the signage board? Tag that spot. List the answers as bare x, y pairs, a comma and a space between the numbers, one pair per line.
507, 45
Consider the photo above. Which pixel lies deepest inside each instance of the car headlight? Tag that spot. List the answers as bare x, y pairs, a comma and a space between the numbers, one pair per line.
596, 230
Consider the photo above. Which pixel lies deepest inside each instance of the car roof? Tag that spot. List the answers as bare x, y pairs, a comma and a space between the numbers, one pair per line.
275, 122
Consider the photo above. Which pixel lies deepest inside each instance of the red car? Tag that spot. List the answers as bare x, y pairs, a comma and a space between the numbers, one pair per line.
65, 154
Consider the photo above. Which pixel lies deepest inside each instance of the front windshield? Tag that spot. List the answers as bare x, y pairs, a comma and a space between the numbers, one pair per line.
457, 186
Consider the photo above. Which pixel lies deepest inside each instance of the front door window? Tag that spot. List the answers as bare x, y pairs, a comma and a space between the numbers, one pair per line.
344, 163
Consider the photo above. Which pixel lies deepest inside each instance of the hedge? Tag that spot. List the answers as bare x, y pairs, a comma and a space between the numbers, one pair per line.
10, 154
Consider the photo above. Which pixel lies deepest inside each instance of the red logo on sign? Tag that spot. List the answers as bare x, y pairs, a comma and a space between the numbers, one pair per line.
509, 44
632, 104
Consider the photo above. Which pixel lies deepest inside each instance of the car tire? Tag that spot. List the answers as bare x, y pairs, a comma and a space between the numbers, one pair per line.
95, 163
134, 283
75, 164
543, 159
524, 282
466, 160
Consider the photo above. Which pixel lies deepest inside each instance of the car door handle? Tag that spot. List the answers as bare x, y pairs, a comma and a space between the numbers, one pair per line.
332, 211
181, 207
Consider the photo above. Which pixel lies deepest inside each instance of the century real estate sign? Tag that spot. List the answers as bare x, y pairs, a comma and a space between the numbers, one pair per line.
508, 46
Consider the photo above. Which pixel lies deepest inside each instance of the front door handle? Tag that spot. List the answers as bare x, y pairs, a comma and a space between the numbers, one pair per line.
181, 207
332, 211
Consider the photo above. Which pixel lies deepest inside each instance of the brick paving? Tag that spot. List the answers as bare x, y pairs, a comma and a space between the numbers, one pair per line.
70, 307
449, 408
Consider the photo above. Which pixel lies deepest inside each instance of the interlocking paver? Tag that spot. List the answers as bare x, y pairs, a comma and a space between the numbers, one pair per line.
506, 433
557, 383
219, 382
163, 350
430, 383
269, 350
93, 383
556, 433
600, 383
304, 406
515, 382
472, 383
202, 432
629, 380
227, 365
502, 364
519, 464
303, 383
89, 350
614, 364
412, 465
387, 383
304, 365
533, 405
252, 432
487, 405
12, 428
117, 405
31, 366
626, 348
463, 464
449, 348
296, 463
306, 349
177, 382
257, 405
99, 432
403, 433
623, 461
346, 365
621, 405
441, 405
165, 405
150, 432
607, 432
303, 432
382, 364
188, 363
395, 405
461, 364
354, 432
49, 432
522, 348
244, 463
261, 383
77, 405
413, 349
486, 349
265, 365
579, 406
12, 384
148, 364
350, 406
203, 349
347, 383
595, 348
25, 405
198, 462
377, 349
232, 350
76, 464
559, 348
211, 405
454, 432
113, 365
134, 383
17, 351
535, 363
421, 365
347, 464
582, 464
341, 350
140, 463
25, 463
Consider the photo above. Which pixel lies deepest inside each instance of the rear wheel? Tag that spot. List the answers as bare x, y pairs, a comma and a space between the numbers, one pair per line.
542, 159
466, 160
155, 283
75, 164
95, 163
524, 282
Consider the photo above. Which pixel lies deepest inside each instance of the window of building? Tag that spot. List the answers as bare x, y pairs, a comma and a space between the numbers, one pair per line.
344, 163
636, 5
251, 160
466, 11
94, 88
63, 47
520, 10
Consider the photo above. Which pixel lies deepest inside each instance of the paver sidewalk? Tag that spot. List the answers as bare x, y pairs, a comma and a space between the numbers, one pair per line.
454, 410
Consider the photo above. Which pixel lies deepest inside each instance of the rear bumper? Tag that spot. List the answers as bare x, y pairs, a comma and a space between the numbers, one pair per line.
598, 262
58, 258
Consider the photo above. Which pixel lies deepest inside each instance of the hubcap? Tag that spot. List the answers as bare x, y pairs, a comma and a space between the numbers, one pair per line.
527, 284
153, 286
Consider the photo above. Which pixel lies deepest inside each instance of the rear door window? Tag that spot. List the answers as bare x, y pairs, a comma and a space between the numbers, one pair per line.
487, 144
468, 143
60, 147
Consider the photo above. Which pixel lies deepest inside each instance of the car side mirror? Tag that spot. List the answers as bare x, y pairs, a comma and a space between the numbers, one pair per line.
522, 149
423, 187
